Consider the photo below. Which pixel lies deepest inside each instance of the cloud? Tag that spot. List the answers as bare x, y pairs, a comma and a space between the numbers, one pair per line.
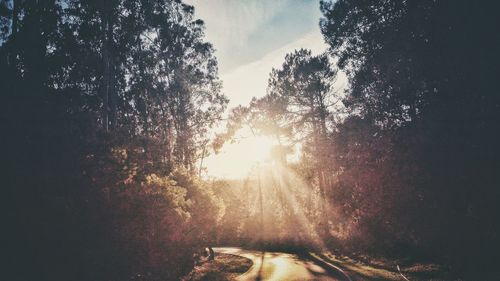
249, 80
229, 23
244, 31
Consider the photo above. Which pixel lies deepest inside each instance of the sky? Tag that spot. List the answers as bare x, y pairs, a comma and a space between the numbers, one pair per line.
250, 38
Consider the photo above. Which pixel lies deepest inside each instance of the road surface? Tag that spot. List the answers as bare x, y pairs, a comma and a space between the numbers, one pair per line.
272, 266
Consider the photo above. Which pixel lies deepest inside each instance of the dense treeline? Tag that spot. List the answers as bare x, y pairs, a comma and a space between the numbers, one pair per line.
406, 159
105, 111
419, 152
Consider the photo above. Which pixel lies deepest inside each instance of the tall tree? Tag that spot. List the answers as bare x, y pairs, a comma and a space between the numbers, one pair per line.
419, 72
302, 90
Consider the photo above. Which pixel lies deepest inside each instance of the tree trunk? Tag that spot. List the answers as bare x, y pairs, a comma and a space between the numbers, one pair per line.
105, 82
15, 20
107, 88
111, 75
202, 157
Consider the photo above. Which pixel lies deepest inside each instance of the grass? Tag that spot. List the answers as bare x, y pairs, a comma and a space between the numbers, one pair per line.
225, 267
377, 270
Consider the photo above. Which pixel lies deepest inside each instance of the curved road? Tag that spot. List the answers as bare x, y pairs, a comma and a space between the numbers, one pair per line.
273, 266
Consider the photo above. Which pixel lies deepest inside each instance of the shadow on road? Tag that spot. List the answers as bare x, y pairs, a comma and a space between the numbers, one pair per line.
282, 266
259, 275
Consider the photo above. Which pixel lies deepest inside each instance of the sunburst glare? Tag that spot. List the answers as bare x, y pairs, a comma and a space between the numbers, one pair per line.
235, 160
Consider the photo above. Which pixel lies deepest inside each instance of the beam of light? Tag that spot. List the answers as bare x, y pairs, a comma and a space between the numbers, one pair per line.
290, 205
293, 183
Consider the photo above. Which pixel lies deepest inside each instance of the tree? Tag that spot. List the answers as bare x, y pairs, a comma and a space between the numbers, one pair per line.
301, 96
107, 102
417, 71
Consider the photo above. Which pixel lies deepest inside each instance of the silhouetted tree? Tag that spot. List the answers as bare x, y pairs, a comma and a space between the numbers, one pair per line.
106, 107
421, 73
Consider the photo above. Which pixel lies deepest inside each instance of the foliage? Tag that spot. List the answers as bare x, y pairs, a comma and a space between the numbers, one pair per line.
106, 108
416, 168
225, 267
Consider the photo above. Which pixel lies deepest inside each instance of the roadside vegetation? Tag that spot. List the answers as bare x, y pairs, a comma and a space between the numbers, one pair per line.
378, 269
225, 267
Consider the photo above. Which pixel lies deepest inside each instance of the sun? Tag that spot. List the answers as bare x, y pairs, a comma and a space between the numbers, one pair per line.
235, 160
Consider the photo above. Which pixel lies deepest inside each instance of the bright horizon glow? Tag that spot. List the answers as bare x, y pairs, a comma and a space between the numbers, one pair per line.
236, 160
